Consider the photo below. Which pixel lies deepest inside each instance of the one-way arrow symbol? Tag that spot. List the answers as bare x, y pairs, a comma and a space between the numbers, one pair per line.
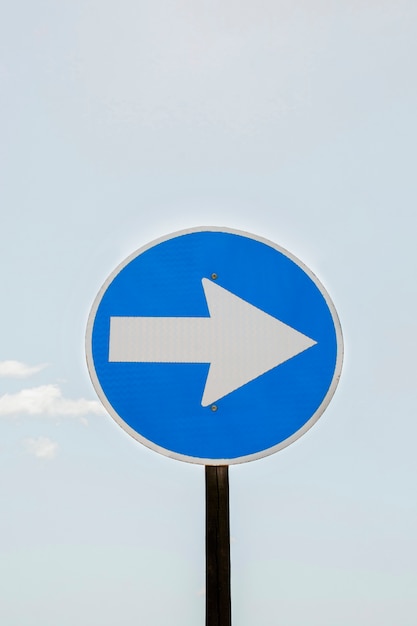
240, 341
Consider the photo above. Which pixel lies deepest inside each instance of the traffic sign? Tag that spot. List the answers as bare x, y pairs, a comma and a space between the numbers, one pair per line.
214, 346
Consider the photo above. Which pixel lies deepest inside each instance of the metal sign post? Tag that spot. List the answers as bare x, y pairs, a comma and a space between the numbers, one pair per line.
218, 603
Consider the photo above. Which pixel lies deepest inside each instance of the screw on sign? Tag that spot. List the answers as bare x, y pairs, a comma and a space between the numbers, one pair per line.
216, 347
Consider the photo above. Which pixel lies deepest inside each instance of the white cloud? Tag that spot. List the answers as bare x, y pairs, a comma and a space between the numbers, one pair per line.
41, 447
47, 400
17, 369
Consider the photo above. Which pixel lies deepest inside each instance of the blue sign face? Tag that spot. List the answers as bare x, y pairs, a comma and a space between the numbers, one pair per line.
214, 346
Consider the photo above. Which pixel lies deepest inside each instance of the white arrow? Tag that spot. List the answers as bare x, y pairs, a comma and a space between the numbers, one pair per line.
240, 341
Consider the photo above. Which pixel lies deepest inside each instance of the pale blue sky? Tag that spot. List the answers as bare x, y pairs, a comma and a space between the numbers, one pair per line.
122, 122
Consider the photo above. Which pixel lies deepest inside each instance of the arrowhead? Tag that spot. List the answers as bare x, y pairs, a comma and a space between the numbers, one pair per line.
246, 342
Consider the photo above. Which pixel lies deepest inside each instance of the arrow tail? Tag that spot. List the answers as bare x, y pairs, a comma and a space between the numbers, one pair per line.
160, 339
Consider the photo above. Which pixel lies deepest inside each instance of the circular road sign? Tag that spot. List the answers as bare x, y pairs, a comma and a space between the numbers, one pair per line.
214, 346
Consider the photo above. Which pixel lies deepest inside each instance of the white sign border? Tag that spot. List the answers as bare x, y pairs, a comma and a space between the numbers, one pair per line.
197, 460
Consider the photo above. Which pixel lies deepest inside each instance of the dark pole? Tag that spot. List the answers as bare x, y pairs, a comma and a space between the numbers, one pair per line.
218, 605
